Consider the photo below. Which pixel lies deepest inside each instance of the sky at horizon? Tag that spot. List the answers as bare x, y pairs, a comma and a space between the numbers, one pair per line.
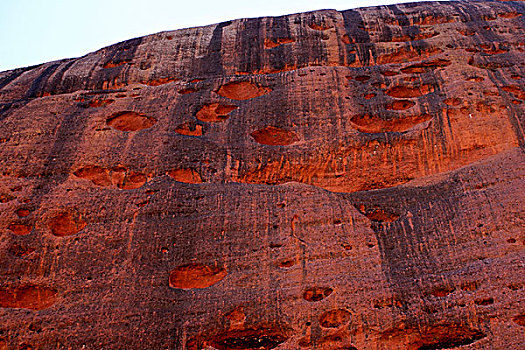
39, 31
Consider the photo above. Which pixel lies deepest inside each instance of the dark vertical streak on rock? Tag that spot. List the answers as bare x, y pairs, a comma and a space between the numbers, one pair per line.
56, 84
354, 25
123, 52
5, 108
37, 87
388, 210
122, 56
250, 51
408, 260
401, 18
14, 75
281, 55
64, 148
516, 119
211, 64
313, 47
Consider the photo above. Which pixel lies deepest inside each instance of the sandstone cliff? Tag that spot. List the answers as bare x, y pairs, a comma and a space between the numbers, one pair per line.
323, 180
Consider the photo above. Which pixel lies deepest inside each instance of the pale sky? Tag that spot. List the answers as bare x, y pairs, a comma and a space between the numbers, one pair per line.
38, 31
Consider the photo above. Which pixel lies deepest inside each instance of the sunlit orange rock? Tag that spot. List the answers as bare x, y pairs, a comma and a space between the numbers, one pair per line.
326, 180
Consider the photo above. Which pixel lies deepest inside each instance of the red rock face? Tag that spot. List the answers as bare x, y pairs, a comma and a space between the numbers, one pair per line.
325, 180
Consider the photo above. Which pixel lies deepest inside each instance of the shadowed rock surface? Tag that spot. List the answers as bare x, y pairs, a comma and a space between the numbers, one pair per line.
324, 180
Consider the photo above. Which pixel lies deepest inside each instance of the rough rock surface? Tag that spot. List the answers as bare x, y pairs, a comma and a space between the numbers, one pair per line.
323, 180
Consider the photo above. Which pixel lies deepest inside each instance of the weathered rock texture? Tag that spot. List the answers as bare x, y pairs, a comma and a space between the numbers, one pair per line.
324, 180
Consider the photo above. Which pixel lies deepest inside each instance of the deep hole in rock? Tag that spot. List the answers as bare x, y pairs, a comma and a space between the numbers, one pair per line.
314, 294
452, 101
19, 250
23, 212
406, 54
320, 26
389, 73
436, 337
271, 43
187, 91
362, 78
378, 214
113, 64
286, 263
484, 301
127, 179
4, 197
442, 291
451, 339
264, 338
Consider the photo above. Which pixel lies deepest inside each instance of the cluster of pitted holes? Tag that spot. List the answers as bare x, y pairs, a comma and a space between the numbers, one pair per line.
129, 121
198, 275
266, 337
402, 95
272, 135
31, 296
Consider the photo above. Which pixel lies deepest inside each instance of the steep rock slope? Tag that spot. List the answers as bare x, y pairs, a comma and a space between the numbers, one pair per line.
323, 180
